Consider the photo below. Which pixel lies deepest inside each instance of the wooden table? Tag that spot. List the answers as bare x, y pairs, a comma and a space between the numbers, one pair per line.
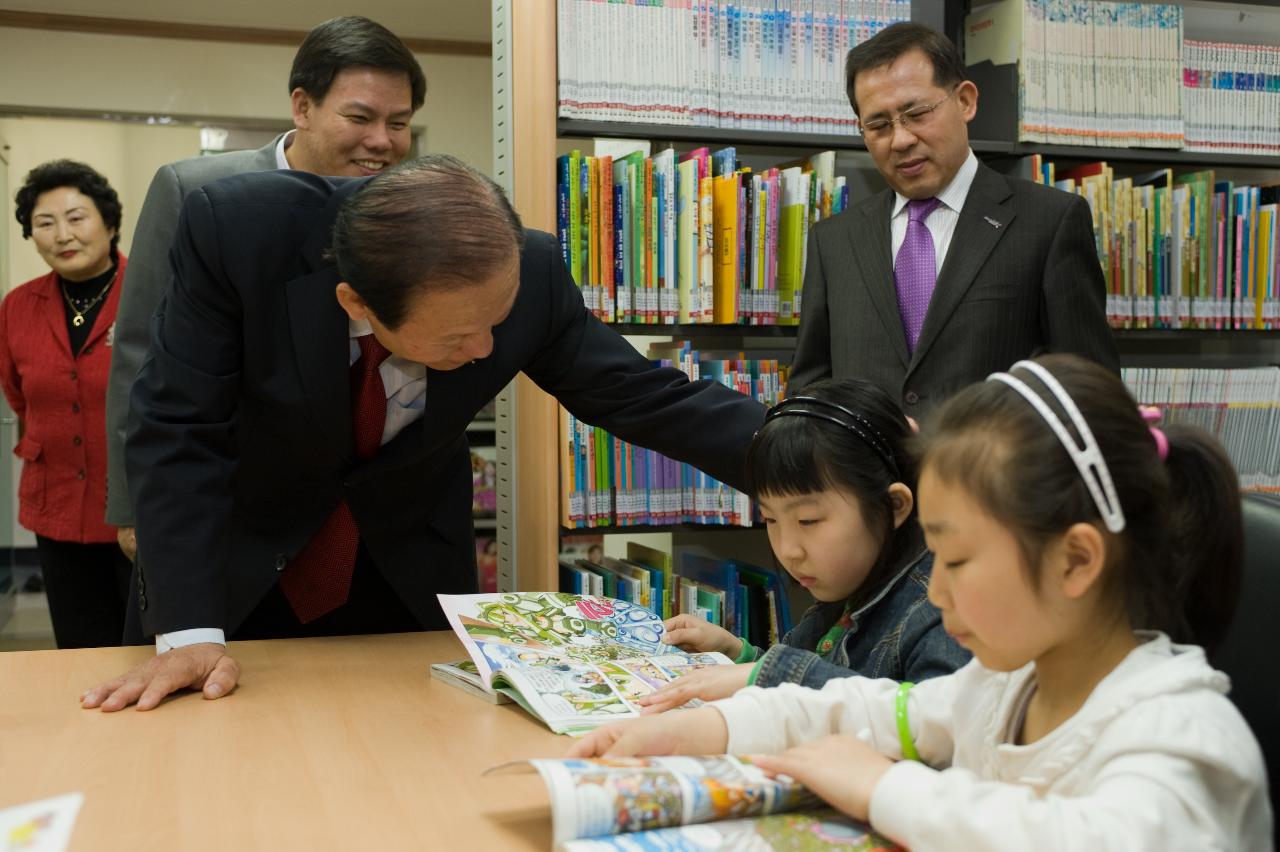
344, 743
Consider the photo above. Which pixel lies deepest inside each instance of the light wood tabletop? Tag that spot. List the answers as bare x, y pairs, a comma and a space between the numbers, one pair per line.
342, 743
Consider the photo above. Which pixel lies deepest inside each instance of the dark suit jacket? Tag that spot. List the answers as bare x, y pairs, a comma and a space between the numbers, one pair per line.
1021, 277
145, 284
240, 437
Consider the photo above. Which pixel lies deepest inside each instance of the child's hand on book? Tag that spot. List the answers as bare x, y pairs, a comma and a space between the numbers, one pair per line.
841, 769
709, 684
691, 633
700, 731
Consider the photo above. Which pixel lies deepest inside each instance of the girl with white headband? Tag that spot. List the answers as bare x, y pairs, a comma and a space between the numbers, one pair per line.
1078, 553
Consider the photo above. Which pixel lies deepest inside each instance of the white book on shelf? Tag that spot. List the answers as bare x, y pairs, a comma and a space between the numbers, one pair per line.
566, 58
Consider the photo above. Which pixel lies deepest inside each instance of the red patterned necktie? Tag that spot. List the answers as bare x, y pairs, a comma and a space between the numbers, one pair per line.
318, 579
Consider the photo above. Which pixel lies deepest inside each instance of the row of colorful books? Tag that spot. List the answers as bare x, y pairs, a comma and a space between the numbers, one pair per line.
1179, 251
748, 601
1231, 97
606, 481
746, 64
1094, 73
694, 238
1241, 407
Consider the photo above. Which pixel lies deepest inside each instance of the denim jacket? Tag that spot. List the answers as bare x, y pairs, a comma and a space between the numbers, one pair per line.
897, 634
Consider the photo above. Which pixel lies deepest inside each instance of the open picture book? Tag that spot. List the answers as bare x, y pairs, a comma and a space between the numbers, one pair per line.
574, 661
688, 803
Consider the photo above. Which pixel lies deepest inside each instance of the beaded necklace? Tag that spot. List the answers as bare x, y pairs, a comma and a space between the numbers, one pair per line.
81, 306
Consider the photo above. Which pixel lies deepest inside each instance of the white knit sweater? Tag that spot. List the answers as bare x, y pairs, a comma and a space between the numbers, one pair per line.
1156, 759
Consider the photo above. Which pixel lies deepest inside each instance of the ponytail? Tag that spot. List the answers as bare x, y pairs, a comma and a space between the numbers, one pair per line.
1206, 534
1178, 561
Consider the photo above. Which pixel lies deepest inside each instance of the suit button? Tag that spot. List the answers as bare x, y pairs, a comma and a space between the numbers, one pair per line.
77, 441
87, 350
912, 397
80, 475
75, 408
73, 375
281, 561
142, 601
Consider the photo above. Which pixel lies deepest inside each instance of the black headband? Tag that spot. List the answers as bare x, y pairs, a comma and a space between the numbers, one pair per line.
857, 424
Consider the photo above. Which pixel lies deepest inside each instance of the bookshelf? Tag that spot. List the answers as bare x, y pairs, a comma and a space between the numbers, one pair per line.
529, 136
988, 149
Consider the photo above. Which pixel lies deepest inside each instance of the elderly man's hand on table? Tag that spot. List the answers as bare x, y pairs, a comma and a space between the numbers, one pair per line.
204, 666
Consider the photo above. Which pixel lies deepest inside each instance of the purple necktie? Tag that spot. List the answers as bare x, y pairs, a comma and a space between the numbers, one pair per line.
915, 269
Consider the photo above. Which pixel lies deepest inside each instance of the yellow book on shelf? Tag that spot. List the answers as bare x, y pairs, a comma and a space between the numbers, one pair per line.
575, 218
725, 211
790, 245
706, 252
686, 239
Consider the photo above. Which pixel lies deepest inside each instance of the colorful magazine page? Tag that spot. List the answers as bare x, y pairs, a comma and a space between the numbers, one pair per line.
574, 661
803, 831
689, 803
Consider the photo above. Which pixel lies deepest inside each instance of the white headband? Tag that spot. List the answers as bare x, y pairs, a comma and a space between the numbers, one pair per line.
1089, 461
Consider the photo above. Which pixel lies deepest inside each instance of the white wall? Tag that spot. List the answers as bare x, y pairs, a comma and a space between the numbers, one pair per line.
51, 72
41, 70
126, 154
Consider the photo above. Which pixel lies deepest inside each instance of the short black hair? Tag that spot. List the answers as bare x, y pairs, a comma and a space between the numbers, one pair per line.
893, 41
433, 223
85, 179
350, 42
861, 455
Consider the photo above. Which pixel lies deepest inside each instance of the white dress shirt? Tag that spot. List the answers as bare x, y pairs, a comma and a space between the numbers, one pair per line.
942, 221
282, 162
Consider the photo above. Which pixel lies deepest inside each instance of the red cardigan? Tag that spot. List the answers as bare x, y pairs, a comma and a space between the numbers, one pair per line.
61, 400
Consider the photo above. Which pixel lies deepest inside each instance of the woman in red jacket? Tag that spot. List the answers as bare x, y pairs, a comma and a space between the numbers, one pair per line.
55, 349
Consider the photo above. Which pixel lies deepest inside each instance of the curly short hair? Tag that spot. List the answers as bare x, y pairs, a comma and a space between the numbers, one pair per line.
59, 173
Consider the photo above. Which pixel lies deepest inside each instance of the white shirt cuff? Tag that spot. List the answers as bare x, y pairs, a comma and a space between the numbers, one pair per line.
194, 636
896, 801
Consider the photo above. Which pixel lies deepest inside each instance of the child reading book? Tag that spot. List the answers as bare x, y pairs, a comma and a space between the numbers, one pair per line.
1077, 549
837, 491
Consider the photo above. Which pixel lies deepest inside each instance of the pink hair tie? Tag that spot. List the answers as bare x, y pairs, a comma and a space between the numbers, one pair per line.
1152, 415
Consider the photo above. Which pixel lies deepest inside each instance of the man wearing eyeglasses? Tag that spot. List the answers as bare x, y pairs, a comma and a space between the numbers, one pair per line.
955, 271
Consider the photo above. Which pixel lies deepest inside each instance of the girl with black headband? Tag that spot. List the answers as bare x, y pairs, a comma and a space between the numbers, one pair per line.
837, 491
1080, 552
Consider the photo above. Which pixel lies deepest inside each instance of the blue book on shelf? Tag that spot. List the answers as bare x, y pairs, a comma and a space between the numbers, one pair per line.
562, 205
724, 161
778, 617
718, 574
620, 241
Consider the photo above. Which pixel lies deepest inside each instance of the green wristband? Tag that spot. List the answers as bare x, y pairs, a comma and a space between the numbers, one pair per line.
755, 670
748, 653
904, 728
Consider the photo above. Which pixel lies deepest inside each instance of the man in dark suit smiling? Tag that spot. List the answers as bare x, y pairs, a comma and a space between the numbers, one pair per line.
297, 454
953, 272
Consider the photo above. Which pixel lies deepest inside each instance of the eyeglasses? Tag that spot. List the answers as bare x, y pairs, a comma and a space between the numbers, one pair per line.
881, 128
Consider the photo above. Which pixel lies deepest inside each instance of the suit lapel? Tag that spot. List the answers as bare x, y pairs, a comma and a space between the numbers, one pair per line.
53, 312
873, 253
983, 221
319, 330
318, 327
100, 324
